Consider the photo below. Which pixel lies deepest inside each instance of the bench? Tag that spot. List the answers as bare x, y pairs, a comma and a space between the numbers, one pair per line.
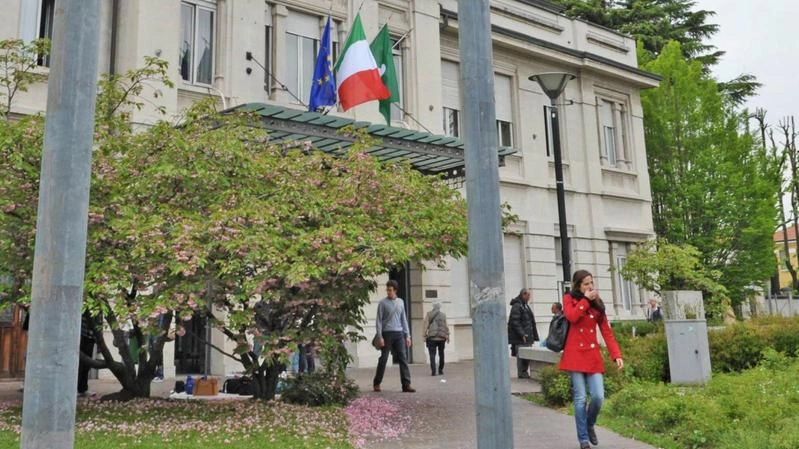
539, 357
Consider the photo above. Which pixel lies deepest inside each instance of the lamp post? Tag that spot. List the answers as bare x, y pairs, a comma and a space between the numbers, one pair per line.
553, 84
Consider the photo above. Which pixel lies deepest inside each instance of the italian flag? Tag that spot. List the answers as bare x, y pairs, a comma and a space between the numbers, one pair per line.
357, 76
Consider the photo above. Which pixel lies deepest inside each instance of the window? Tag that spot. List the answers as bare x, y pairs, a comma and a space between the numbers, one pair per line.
502, 98
451, 99
548, 129
612, 134
36, 22
301, 54
625, 287
303, 35
268, 61
626, 295
396, 108
197, 42
452, 122
559, 257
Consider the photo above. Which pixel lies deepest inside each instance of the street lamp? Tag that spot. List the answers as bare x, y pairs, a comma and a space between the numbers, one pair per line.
553, 84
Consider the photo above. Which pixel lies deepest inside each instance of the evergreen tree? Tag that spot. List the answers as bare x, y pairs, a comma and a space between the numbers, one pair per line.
655, 23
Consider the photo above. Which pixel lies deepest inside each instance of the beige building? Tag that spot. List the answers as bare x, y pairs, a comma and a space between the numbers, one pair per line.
606, 181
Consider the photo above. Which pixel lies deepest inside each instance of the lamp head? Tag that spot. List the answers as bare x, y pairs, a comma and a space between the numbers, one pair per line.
553, 83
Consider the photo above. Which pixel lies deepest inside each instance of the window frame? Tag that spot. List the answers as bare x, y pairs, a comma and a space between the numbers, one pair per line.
398, 54
301, 86
626, 287
36, 22
447, 122
614, 145
198, 6
504, 114
500, 134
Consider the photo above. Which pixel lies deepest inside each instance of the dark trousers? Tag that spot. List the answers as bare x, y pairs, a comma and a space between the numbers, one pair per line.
522, 365
307, 363
432, 346
394, 342
86, 347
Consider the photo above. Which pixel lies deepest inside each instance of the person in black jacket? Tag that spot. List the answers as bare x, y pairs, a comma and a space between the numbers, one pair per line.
522, 330
87, 341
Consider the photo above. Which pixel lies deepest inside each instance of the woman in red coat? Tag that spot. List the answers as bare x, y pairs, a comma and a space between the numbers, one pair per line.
582, 359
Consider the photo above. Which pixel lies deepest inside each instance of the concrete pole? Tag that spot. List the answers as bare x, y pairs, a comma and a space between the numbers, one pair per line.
486, 277
48, 412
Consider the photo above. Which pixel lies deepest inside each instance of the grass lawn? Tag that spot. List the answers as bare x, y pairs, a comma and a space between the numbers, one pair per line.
153, 423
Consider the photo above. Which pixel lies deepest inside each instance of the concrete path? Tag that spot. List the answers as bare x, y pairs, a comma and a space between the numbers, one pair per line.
444, 412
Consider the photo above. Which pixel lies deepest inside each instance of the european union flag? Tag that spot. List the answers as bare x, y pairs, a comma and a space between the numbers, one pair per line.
323, 90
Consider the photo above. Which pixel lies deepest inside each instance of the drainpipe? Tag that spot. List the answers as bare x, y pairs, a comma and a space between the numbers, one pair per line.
112, 63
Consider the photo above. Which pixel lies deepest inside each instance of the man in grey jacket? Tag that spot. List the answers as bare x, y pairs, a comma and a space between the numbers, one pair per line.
392, 326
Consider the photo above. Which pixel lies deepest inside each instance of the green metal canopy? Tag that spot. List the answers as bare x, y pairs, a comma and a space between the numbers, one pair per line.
429, 153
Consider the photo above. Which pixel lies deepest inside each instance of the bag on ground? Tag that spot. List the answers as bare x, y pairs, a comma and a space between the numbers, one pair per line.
242, 386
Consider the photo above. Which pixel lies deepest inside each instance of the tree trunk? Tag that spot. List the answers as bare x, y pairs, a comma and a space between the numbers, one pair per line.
134, 375
786, 248
266, 378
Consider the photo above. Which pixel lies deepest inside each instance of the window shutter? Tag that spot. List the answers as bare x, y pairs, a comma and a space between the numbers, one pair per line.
450, 80
502, 94
305, 25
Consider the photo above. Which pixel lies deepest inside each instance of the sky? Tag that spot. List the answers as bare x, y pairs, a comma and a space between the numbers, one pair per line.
760, 38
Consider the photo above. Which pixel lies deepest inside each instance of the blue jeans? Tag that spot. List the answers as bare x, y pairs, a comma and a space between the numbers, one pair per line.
585, 417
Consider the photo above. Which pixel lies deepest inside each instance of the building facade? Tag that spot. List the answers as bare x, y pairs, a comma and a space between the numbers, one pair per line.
247, 51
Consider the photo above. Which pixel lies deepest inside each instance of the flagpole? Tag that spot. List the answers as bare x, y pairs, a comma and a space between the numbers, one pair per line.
249, 56
402, 38
410, 116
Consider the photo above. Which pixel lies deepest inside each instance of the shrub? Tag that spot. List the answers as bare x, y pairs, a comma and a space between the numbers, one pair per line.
555, 386
782, 333
736, 347
614, 379
319, 388
638, 328
646, 358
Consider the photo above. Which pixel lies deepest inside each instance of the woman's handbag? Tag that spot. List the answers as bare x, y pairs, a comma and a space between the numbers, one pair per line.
558, 330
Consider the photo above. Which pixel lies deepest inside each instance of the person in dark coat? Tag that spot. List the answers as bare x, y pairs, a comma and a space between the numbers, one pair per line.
582, 357
87, 342
522, 330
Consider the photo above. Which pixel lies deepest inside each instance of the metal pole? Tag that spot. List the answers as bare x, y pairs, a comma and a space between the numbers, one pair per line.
486, 278
565, 254
48, 412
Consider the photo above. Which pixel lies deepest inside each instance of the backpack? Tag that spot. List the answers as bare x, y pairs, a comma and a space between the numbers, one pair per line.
558, 330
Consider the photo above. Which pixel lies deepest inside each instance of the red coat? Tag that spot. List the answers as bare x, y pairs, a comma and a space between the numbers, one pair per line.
582, 352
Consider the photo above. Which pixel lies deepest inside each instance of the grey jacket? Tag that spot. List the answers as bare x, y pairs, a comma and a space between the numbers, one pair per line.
436, 323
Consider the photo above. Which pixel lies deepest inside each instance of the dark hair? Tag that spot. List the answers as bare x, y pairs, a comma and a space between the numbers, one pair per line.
393, 284
577, 279
557, 305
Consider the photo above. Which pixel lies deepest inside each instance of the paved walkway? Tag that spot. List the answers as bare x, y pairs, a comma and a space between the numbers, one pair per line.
443, 410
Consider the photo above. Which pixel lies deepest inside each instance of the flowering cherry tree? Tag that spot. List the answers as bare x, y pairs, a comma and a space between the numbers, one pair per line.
276, 245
